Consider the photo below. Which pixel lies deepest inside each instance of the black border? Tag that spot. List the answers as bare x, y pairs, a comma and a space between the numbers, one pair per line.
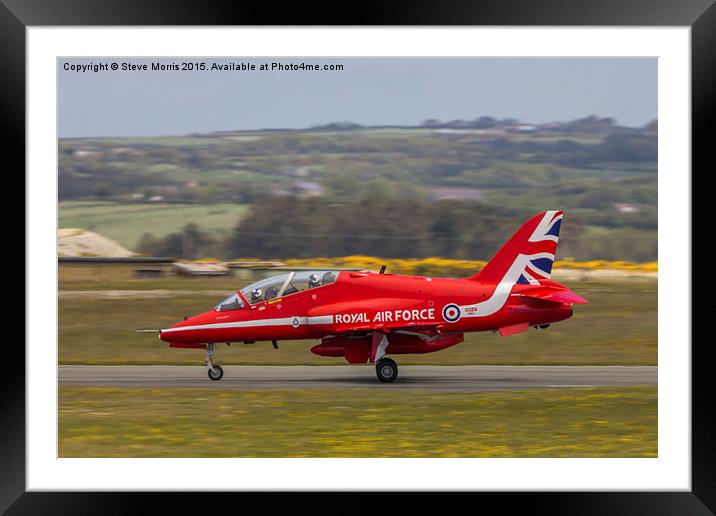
700, 15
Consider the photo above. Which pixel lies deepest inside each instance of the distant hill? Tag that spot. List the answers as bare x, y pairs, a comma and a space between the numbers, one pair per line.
78, 242
144, 191
583, 164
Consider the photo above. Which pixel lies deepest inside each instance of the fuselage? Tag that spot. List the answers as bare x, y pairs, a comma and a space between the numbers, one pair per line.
366, 301
365, 316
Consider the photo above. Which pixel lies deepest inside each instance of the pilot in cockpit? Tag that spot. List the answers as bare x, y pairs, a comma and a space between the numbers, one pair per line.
328, 277
256, 295
314, 281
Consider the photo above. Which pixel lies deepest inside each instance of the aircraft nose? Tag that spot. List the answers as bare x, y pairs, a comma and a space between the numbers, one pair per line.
196, 320
166, 335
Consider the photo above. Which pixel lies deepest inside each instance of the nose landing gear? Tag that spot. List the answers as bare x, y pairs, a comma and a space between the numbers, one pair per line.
215, 372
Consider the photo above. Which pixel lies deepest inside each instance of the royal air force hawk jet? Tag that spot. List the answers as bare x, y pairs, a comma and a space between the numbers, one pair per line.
365, 316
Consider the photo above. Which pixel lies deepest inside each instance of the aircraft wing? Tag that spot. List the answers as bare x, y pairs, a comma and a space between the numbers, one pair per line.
418, 328
554, 295
421, 327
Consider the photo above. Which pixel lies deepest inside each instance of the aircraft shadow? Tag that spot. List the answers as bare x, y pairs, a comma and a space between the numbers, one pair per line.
416, 380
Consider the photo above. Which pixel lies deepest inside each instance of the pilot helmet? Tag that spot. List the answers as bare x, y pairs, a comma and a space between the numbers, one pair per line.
314, 280
256, 293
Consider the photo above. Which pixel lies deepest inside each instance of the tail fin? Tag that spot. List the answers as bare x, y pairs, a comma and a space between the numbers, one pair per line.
526, 257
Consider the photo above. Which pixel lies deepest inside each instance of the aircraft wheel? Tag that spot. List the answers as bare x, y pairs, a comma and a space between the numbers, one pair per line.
217, 373
386, 370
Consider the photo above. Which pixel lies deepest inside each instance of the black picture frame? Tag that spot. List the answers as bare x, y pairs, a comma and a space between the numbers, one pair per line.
700, 15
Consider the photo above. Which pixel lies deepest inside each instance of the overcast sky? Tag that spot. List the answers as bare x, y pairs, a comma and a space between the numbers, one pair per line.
368, 91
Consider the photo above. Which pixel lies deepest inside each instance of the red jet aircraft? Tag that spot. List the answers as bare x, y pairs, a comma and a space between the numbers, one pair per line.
364, 316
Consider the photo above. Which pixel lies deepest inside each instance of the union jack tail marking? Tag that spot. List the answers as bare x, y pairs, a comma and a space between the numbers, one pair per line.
530, 252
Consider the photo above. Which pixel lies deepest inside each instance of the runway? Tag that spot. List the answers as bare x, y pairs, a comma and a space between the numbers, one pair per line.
418, 378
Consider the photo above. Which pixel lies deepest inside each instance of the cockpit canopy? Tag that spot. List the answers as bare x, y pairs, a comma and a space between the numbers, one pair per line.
233, 302
287, 284
278, 286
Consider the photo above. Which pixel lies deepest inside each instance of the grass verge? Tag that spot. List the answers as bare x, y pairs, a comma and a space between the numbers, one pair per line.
179, 422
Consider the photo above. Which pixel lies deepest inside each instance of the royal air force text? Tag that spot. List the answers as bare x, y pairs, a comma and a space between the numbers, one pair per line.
426, 314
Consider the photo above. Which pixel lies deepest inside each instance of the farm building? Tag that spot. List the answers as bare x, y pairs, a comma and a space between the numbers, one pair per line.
94, 268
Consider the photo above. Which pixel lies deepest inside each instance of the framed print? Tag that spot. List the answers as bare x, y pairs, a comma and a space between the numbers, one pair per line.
297, 162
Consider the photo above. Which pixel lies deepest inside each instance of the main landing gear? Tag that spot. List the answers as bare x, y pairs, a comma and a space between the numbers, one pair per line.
386, 370
215, 372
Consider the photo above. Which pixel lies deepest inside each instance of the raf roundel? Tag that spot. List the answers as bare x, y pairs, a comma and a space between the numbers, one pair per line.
451, 312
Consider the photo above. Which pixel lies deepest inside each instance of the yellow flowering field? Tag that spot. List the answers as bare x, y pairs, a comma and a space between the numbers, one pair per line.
438, 266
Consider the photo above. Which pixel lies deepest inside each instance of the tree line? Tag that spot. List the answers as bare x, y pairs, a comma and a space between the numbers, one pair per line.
289, 227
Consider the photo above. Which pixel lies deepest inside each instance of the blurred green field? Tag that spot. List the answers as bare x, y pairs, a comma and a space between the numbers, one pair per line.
618, 327
171, 141
126, 222
173, 422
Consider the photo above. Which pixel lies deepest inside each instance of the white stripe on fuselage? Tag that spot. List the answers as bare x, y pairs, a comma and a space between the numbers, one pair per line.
522, 262
283, 321
503, 289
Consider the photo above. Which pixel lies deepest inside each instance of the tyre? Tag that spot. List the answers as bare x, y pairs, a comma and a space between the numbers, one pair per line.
386, 370
217, 373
